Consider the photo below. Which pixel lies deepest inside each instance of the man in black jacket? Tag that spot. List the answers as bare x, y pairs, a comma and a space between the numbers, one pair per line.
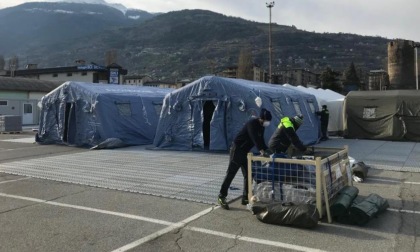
285, 135
252, 134
325, 116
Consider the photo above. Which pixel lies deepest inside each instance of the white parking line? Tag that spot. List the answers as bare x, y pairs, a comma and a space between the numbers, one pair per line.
171, 226
129, 216
254, 240
163, 231
402, 211
394, 181
10, 181
413, 183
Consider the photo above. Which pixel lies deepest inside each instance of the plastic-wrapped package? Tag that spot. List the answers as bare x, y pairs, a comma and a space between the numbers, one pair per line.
298, 215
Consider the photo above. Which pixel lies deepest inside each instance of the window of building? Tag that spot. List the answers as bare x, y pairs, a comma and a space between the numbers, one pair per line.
84, 73
69, 74
27, 108
55, 75
124, 109
3, 103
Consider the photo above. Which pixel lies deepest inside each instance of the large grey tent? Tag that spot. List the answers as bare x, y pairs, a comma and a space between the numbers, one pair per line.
87, 114
386, 115
209, 112
334, 102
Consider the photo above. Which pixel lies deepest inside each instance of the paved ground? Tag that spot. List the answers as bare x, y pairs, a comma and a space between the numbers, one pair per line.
46, 215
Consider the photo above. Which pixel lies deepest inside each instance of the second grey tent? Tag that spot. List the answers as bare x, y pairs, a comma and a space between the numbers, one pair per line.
88, 114
209, 112
385, 115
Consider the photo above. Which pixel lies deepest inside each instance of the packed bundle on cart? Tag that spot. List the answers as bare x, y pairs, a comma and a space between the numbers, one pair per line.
299, 180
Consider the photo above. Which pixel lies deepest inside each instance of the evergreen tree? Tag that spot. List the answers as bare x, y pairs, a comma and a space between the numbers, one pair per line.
351, 80
245, 65
329, 80
2, 62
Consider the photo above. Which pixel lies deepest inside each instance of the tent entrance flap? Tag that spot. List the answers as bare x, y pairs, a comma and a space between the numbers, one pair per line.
208, 110
69, 131
208, 124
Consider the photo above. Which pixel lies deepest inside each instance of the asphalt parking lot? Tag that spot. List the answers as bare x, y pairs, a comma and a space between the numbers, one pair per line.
48, 215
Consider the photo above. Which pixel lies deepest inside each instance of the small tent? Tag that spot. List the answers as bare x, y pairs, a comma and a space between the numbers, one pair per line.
209, 112
334, 102
87, 114
385, 115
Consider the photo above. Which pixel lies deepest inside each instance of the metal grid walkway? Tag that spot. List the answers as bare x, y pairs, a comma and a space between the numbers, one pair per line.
193, 176
182, 175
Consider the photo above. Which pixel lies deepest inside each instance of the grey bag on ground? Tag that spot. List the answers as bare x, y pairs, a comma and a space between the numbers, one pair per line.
360, 170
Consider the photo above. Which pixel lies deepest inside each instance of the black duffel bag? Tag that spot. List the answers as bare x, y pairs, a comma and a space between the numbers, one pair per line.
299, 215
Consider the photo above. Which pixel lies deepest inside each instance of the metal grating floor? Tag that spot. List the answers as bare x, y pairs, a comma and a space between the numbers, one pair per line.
193, 176
189, 176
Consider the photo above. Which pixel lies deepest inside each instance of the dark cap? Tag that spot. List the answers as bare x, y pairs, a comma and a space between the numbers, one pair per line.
265, 115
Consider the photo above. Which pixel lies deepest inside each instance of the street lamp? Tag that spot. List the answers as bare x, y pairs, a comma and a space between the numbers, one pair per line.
417, 68
269, 6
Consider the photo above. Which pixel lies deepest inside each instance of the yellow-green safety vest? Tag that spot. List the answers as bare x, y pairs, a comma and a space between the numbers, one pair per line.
286, 122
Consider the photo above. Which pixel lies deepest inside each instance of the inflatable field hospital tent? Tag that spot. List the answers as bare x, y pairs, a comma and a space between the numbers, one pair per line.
88, 114
334, 102
385, 115
209, 112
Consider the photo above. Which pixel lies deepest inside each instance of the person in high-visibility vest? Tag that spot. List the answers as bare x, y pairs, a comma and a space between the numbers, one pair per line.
285, 135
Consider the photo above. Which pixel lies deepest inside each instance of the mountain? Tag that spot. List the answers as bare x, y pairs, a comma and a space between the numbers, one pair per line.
32, 25
187, 43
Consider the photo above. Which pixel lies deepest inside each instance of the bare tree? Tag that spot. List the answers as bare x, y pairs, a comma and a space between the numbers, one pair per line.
13, 65
245, 65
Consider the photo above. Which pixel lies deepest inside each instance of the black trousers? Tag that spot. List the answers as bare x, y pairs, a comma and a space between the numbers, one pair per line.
238, 159
324, 128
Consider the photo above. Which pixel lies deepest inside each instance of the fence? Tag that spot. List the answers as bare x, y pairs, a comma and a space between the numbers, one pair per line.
301, 179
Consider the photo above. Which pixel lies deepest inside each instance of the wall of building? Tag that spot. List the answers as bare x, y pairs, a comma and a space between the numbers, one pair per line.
36, 95
12, 107
16, 107
76, 76
13, 95
401, 64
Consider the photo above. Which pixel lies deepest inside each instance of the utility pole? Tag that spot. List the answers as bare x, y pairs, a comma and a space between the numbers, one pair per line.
269, 6
417, 67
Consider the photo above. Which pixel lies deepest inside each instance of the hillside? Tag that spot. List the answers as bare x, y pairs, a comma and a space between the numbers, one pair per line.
188, 43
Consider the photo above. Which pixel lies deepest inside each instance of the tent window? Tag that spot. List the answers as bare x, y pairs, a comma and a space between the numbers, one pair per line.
124, 109
277, 108
369, 113
297, 108
312, 106
3, 103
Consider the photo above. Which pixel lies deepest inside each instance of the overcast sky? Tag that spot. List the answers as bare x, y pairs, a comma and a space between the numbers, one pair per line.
386, 18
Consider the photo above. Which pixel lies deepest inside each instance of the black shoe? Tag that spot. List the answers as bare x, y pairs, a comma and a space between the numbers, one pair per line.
244, 201
223, 203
